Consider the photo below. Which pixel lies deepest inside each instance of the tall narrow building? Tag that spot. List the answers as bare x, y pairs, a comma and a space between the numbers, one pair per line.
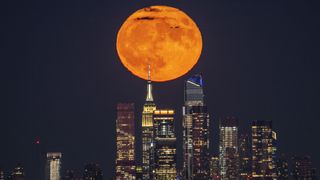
53, 166
164, 145
193, 96
1, 174
228, 148
282, 166
244, 157
147, 132
200, 143
125, 160
263, 165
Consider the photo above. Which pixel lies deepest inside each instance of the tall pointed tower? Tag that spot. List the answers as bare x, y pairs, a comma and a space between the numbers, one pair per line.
147, 131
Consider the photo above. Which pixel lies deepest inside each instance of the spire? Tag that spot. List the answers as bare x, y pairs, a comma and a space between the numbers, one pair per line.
149, 86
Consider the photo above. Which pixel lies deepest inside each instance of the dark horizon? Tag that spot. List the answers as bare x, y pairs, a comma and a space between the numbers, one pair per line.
62, 77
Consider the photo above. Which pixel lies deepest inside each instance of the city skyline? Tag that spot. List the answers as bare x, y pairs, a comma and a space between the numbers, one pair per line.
63, 80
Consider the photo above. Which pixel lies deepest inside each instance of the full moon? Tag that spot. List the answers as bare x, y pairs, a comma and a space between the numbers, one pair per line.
162, 37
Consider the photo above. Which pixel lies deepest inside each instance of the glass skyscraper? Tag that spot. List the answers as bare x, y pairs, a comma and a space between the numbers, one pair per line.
193, 96
53, 166
125, 160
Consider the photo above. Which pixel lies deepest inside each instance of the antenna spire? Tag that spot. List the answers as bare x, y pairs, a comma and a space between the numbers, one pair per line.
149, 76
149, 86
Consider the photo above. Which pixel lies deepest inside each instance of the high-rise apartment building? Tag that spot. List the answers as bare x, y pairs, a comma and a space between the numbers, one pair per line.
193, 96
53, 166
147, 132
125, 160
164, 145
214, 168
92, 171
200, 142
228, 148
263, 152
282, 167
244, 156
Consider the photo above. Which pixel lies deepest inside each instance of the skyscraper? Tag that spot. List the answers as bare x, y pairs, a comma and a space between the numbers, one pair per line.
228, 148
53, 166
244, 156
92, 171
193, 96
263, 165
147, 131
125, 160
164, 145
200, 142
214, 168
302, 168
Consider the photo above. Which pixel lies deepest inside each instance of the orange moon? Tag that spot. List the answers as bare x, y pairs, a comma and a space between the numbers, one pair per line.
163, 37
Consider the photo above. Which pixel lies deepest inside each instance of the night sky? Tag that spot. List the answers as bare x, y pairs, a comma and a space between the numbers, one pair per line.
61, 77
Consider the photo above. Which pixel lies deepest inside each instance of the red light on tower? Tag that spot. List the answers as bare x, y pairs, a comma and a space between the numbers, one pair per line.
37, 141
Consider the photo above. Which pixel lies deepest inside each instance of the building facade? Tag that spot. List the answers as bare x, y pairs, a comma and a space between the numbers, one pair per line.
125, 160
147, 132
164, 145
228, 148
17, 173
193, 96
244, 156
263, 165
302, 168
214, 168
282, 166
92, 171
53, 166
200, 143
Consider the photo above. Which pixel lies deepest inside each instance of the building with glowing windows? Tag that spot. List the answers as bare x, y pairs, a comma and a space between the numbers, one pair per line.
302, 168
263, 152
193, 96
147, 132
214, 168
164, 145
282, 166
228, 148
53, 166
17, 173
200, 143
92, 171
1, 174
244, 157
125, 159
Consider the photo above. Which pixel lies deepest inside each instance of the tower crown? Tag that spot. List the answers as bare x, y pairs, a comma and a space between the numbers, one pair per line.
149, 87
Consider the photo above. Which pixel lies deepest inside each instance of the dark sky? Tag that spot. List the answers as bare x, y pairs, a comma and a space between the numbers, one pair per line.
61, 77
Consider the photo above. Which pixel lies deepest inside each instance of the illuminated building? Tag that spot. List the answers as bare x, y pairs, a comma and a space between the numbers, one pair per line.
302, 168
282, 166
147, 132
263, 165
69, 175
139, 173
214, 168
228, 148
17, 173
92, 171
53, 166
200, 142
193, 96
164, 145
244, 157
1, 174
125, 160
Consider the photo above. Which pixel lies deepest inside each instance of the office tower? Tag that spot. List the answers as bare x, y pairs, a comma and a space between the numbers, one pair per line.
282, 167
147, 132
92, 171
263, 165
139, 173
17, 173
193, 96
1, 174
53, 166
302, 168
214, 168
228, 148
69, 175
200, 142
164, 145
244, 157
125, 159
